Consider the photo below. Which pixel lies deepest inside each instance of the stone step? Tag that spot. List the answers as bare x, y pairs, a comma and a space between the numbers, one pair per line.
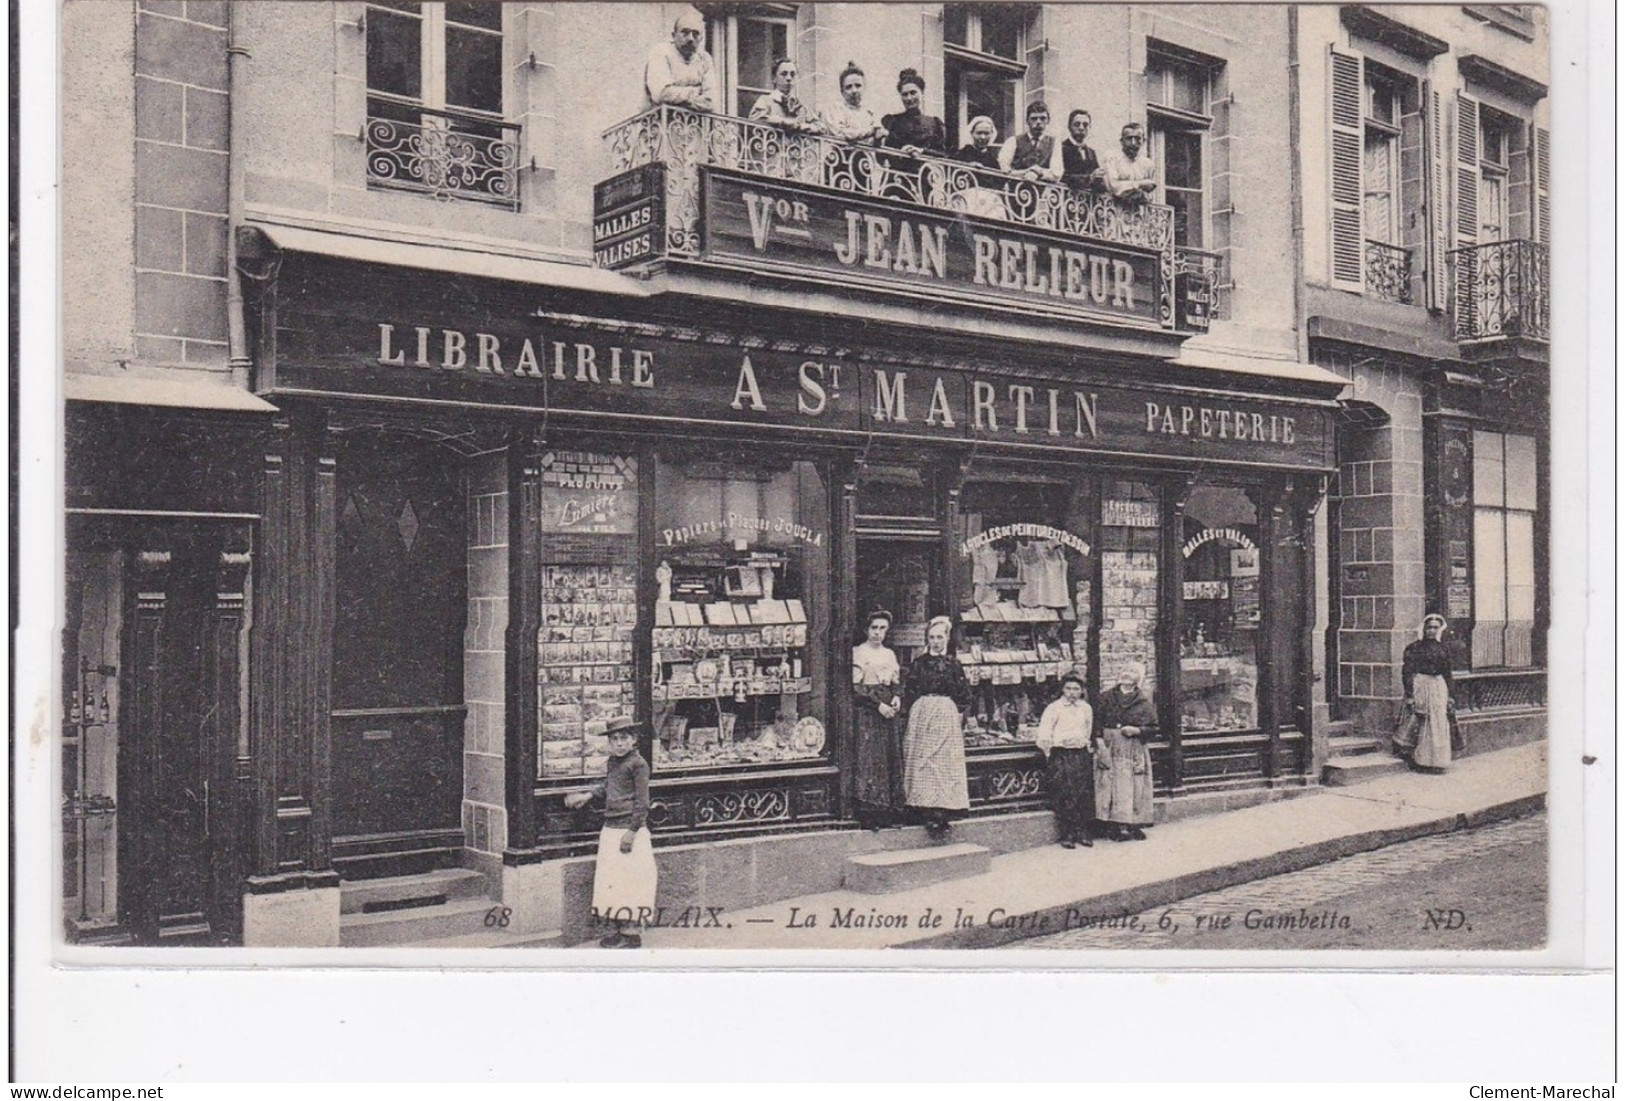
414, 926
905, 869
1345, 771
496, 938
1354, 745
407, 891
1339, 728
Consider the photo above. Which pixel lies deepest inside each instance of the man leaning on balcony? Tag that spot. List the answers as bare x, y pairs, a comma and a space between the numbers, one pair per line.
1035, 154
1131, 177
680, 72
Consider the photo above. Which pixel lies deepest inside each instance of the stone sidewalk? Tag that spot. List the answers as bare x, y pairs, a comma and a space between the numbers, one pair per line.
1049, 889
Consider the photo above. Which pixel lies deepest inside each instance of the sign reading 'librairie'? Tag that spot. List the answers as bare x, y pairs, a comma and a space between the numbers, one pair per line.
801, 229
558, 364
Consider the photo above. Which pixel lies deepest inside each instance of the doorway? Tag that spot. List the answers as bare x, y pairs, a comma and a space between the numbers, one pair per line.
397, 685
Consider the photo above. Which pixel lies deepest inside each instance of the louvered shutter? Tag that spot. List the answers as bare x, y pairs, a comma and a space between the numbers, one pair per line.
1541, 192
1438, 186
1466, 170
1347, 170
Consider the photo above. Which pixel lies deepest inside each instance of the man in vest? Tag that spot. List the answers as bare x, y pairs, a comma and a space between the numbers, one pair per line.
1035, 154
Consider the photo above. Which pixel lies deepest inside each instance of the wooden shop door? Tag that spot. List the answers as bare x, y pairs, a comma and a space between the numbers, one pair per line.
397, 683
152, 685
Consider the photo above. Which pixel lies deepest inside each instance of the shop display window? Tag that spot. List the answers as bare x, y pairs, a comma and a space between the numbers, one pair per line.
741, 615
1218, 645
1024, 605
1130, 540
588, 608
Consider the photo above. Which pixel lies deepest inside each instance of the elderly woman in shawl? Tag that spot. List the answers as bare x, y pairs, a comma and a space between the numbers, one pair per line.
934, 694
1426, 675
1123, 721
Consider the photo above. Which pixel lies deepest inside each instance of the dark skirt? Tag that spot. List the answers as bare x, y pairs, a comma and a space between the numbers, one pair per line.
879, 765
1072, 789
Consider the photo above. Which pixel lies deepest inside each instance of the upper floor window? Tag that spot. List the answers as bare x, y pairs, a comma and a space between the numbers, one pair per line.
435, 102
1179, 97
1385, 107
984, 65
745, 44
1500, 175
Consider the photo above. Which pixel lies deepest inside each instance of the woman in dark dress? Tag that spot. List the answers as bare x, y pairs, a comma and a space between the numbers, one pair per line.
1124, 719
911, 130
876, 703
980, 150
935, 693
1426, 675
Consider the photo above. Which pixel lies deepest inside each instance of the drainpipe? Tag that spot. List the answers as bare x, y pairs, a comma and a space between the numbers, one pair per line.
238, 357
1294, 99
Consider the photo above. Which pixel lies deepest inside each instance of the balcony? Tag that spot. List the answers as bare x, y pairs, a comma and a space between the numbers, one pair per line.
443, 154
1388, 271
691, 146
1501, 291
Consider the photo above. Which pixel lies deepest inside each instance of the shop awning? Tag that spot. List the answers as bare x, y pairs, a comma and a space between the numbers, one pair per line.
356, 245
205, 392
1203, 359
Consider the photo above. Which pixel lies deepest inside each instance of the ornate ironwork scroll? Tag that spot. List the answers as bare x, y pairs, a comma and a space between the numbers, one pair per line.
740, 807
1388, 271
1502, 290
443, 154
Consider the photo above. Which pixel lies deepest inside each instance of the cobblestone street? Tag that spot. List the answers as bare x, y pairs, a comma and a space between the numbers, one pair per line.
1475, 889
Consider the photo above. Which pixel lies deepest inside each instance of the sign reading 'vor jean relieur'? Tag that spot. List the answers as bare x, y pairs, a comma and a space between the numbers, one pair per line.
801, 229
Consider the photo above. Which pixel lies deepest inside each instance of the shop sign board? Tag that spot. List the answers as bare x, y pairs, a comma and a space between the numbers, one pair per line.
835, 236
589, 494
629, 217
556, 364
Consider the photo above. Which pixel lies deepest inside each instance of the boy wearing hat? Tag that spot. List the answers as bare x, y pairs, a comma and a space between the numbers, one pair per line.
1065, 734
624, 879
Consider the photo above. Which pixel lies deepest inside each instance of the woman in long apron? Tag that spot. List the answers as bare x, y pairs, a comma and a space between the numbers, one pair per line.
1124, 719
935, 693
1426, 675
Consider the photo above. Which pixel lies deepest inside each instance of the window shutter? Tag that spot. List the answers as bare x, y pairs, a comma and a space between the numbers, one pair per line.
1466, 170
1347, 170
1541, 221
1438, 174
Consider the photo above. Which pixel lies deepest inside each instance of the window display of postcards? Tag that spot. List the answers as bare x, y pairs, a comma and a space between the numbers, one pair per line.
1128, 613
584, 664
1014, 667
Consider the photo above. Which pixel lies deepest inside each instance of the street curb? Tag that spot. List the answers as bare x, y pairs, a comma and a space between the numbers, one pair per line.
1134, 900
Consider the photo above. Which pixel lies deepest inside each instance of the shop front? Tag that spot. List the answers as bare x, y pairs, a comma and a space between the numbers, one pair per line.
549, 507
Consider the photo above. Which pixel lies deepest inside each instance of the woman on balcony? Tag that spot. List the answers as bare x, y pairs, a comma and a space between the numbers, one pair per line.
912, 130
850, 120
982, 201
781, 106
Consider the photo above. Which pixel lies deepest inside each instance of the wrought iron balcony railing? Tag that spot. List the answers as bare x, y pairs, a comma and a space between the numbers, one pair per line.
683, 140
1388, 271
1502, 289
445, 154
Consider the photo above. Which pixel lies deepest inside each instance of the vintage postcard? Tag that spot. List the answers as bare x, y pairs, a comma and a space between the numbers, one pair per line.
610, 481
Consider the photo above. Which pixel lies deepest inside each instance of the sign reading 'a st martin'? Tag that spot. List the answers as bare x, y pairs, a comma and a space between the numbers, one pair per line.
799, 229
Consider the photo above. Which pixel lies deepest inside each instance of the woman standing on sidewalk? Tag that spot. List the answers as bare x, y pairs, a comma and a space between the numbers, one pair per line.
935, 692
1122, 761
876, 703
1426, 675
